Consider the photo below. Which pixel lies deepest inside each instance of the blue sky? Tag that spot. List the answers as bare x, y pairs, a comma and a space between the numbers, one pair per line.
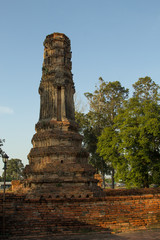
118, 40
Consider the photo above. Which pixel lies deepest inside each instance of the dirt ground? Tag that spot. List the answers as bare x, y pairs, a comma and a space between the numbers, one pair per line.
153, 234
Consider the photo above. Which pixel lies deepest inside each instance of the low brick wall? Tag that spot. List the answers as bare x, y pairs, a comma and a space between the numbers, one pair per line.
51, 216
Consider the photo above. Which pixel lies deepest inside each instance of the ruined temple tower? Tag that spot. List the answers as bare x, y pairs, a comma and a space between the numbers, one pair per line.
58, 165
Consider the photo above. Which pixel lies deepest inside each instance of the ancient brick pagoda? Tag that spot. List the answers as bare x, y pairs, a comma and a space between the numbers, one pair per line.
58, 165
53, 199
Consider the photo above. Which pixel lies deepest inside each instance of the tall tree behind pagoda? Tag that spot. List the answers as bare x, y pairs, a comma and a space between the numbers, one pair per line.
90, 141
104, 104
135, 148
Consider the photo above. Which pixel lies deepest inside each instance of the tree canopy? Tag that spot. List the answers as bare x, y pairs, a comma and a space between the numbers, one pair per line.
133, 142
14, 170
1, 144
104, 104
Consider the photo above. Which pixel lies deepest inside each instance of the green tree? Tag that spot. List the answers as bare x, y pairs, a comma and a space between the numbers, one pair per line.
138, 125
14, 169
1, 152
107, 148
90, 142
146, 89
139, 144
1, 144
104, 104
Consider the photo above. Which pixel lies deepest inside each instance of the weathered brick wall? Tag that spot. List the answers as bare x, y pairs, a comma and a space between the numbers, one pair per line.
48, 216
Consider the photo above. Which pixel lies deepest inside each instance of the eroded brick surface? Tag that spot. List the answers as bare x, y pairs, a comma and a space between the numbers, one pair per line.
58, 165
60, 194
61, 216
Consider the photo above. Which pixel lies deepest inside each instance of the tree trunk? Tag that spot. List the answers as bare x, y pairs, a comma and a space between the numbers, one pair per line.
103, 177
103, 173
146, 181
112, 178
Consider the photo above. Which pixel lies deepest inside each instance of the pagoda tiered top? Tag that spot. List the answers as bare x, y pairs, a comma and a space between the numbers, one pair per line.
57, 87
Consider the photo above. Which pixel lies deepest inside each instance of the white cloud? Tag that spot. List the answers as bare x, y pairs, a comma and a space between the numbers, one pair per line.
5, 110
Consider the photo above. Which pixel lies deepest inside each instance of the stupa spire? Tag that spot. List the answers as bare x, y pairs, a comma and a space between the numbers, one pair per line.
57, 88
58, 165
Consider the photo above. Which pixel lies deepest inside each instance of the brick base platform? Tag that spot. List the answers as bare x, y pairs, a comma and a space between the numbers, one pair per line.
44, 217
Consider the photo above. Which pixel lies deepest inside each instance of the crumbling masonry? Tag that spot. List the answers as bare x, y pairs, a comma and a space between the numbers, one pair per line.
59, 194
58, 165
